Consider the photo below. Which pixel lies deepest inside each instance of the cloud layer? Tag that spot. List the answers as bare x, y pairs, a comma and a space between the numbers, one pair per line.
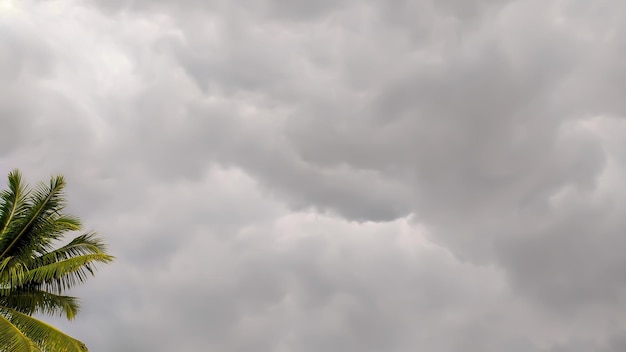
332, 175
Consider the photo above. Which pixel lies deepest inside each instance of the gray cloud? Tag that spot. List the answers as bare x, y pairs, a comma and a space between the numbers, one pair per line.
332, 175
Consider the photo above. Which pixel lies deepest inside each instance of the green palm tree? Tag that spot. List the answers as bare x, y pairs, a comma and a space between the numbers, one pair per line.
35, 270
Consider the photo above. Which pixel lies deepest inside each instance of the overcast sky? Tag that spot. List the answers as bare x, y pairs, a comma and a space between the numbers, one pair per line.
332, 175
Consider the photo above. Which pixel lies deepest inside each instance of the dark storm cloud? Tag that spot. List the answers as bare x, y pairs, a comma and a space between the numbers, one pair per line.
332, 175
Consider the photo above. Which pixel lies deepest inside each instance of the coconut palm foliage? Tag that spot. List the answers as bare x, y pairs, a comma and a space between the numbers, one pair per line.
36, 269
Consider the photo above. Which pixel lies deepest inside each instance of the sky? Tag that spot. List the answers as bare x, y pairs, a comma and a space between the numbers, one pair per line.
332, 175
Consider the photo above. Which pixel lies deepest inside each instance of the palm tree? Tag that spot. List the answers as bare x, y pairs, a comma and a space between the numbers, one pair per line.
35, 270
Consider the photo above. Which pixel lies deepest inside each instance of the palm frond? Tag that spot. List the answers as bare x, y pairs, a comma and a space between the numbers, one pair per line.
12, 203
12, 274
45, 336
87, 243
43, 202
48, 230
12, 339
31, 301
65, 274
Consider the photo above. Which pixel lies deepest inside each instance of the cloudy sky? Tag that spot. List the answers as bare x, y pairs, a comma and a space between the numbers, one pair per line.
332, 175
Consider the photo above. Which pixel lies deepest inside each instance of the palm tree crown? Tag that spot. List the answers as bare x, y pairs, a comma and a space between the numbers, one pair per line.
34, 273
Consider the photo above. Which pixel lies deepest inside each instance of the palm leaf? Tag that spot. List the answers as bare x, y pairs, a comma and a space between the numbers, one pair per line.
12, 203
12, 274
65, 274
47, 230
86, 243
31, 301
44, 202
47, 337
12, 339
